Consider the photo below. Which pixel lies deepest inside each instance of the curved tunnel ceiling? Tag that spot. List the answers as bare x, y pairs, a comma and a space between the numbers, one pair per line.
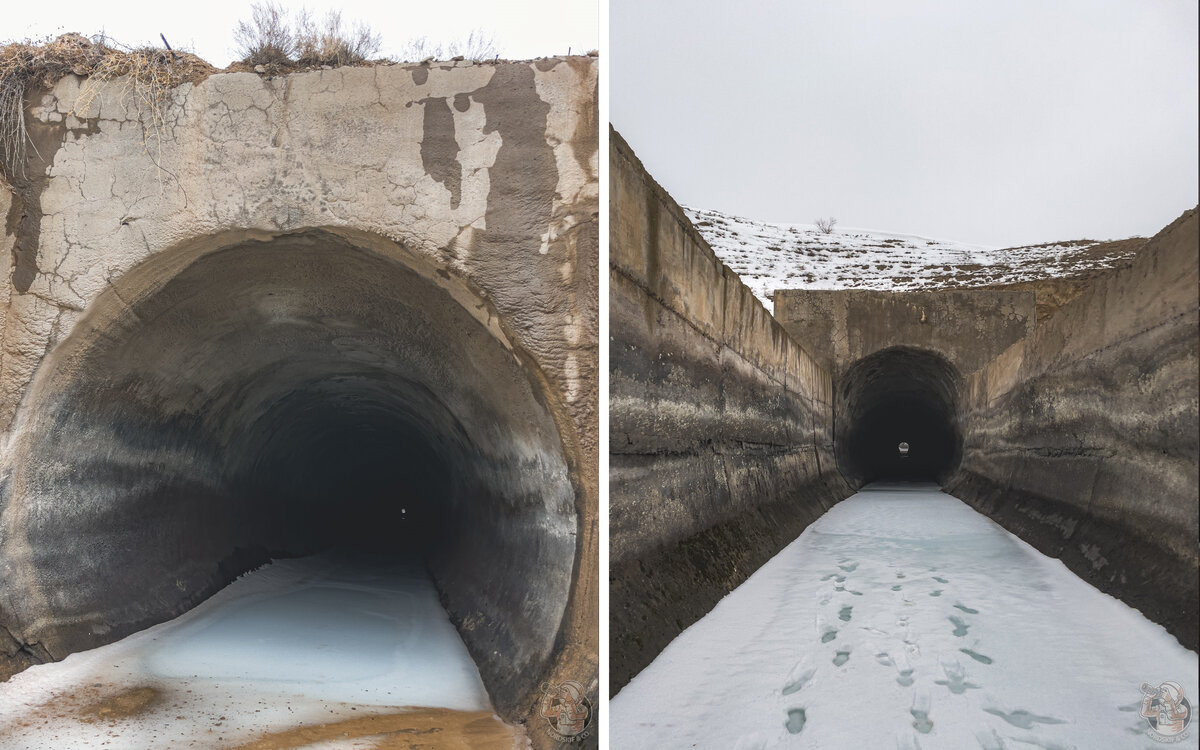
275, 398
898, 395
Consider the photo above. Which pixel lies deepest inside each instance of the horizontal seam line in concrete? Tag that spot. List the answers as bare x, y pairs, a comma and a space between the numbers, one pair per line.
662, 303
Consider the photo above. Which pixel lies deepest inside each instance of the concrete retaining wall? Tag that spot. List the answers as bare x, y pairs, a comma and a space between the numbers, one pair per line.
720, 425
1083, 441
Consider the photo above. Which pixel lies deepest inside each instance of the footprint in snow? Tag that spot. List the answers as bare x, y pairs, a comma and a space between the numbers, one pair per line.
955, 682
989, 740
936, 592
897, 587
904, 670
968, 610
977, 656
800, 676
828, 635
920, 713
840, 658
939, 579
1022, 718
795, 720
844, 614
885, 659
849, 568
960, 627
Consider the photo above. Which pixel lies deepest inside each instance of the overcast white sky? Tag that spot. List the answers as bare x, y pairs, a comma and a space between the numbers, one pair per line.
522, 28
1001, 122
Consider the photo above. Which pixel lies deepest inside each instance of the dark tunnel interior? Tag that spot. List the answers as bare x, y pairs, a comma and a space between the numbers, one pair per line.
898, 395
275, 398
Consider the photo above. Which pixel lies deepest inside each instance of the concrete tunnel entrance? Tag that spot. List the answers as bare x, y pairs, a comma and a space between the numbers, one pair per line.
275, 397
898, 396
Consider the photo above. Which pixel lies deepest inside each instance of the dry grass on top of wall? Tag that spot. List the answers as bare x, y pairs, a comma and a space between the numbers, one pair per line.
147, 74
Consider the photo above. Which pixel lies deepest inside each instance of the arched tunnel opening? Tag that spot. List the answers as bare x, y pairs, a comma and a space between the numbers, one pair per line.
896, 418
278, 397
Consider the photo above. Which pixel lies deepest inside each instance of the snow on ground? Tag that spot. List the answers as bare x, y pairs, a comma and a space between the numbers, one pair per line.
904, 619
298, 641
800, 256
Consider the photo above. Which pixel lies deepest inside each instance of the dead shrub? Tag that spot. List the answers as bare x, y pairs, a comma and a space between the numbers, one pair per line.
146, 74
331, 44
267, 38
272, 38
477, 46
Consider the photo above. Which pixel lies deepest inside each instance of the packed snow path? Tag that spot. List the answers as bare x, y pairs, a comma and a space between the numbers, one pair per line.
903, 618
325, 648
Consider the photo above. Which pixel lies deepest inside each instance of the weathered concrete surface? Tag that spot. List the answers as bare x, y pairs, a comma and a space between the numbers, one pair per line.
720, 425
197, 320
1083, 438
968, 327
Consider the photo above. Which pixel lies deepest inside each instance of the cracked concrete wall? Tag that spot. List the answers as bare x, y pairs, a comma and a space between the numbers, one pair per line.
481, 179
1083, 438
720, 426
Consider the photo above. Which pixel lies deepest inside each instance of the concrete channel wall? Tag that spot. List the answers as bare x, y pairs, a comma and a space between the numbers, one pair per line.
1082, 439
720, 425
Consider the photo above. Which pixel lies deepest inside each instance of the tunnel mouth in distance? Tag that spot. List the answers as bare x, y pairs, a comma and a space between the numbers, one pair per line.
277, 397
893, 396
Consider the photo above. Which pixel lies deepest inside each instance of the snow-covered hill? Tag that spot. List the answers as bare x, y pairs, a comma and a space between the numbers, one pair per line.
800, 256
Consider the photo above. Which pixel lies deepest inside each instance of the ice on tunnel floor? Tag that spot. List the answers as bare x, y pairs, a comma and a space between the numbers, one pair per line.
1046, 660
305, 640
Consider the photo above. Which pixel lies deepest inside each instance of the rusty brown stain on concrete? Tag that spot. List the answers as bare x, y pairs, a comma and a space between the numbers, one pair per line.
408, 729
124, 704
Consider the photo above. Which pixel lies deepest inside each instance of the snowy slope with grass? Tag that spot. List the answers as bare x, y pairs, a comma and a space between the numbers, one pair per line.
801, 256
